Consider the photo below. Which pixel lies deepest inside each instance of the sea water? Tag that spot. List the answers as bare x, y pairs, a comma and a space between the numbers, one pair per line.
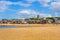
4, 26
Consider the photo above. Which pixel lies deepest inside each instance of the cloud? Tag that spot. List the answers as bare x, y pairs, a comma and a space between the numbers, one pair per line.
45, 15
55, 6
30, 1
56, 0
47, 3
44, 3
31, 13
56, 14
27, 13
4, 5
22, 4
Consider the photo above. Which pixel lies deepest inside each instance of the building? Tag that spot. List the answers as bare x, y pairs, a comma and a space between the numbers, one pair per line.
57, 20
4, 21
38, 17
18, 21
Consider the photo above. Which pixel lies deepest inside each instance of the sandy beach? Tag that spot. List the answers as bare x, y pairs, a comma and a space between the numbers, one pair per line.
42, 32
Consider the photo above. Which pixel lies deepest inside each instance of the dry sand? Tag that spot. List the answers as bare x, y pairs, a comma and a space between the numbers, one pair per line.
31, 33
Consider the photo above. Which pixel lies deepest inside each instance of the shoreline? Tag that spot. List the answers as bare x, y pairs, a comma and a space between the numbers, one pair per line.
31, 25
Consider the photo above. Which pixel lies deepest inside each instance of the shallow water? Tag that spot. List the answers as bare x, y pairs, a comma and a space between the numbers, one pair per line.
3, 26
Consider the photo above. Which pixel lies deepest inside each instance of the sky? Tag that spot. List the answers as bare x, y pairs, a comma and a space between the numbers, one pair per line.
17, 9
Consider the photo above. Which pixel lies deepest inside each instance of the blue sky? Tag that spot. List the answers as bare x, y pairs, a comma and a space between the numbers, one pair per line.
10, 9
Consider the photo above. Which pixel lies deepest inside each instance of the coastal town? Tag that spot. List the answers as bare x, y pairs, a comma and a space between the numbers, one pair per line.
37, 20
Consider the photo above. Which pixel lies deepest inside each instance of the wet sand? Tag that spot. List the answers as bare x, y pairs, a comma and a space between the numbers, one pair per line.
31, 33
32, 25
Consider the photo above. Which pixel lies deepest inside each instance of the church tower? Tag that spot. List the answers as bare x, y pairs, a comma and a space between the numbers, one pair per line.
38, 17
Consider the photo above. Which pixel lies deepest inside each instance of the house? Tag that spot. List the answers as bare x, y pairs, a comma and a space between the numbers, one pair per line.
4, 21
57, 20
43, 21
50, 20
31, 21
18, 21
37, 21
